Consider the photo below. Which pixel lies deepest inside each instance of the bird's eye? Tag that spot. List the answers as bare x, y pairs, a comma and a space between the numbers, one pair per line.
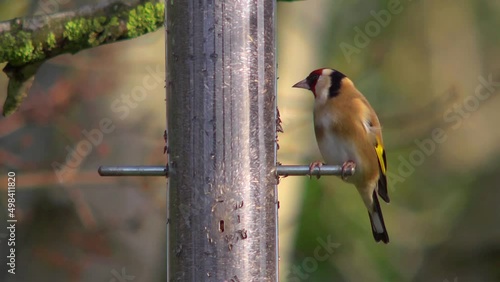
312, 79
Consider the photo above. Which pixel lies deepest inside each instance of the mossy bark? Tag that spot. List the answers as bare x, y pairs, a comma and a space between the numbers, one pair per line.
26, 40
25, 43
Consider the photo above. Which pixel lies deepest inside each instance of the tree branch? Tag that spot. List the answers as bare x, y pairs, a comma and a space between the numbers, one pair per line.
25, 43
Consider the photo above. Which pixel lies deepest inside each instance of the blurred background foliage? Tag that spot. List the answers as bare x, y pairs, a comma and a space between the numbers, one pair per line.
419, 69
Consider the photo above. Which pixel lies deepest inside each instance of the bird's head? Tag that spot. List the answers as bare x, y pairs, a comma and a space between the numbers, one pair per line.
324, 83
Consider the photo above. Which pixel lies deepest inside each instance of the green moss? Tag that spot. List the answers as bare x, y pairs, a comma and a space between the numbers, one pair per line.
81, 33
84, 31
144, 19
90, 32
20, 49
38, 53
160, 12
113, 22
51, 40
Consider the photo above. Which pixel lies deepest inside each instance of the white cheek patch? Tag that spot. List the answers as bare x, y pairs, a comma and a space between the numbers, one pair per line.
322, 86
327, 72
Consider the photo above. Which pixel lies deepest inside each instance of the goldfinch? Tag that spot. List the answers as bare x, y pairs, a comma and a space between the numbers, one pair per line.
348, 132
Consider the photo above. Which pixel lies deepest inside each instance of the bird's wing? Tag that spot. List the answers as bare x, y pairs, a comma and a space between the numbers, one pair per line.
374, 129
382, 162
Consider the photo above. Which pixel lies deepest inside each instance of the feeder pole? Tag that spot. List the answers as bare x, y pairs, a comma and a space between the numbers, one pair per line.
221, 105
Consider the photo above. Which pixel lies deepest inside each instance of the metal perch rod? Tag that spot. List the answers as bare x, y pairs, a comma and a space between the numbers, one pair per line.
282, 170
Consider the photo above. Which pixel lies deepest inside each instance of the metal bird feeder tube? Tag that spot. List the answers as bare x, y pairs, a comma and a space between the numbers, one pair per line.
222, 197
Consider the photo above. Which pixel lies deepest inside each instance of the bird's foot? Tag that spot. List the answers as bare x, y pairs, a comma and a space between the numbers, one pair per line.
317, 164
347, 166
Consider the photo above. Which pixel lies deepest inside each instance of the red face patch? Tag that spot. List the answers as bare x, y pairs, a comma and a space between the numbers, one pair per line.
312, 79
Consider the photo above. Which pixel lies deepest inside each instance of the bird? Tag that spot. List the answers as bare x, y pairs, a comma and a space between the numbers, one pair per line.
348, 132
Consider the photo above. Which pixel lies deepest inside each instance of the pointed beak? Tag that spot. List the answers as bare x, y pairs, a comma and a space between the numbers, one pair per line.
302, 84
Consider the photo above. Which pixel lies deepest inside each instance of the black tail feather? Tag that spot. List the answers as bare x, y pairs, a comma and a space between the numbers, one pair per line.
377, 218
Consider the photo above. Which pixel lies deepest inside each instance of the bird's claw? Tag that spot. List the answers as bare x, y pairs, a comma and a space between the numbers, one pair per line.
347, 166
317, 164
